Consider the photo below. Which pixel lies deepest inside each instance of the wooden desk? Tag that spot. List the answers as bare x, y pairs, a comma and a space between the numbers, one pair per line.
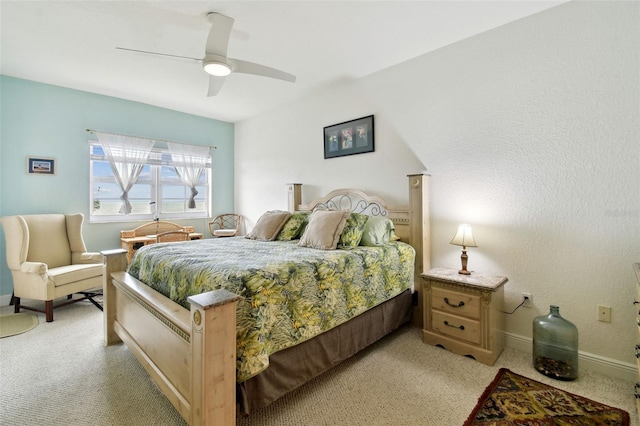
146, 234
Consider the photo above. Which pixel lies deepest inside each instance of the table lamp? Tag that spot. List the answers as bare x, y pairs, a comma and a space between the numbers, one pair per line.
464, 238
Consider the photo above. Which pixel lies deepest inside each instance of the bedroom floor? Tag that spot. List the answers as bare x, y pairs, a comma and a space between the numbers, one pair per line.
61, 374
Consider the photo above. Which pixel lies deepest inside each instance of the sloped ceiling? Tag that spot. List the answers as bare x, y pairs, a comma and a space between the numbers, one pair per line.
73, 44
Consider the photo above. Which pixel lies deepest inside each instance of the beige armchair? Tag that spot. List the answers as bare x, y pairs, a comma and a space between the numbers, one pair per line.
48, 260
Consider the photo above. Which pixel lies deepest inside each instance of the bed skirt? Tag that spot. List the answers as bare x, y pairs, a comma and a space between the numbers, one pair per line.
292, 367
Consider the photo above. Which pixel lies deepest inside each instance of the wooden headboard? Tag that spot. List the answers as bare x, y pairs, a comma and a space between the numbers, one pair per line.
412, 222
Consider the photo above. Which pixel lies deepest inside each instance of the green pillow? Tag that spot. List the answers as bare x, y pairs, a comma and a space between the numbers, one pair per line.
292, 229
377, 231
352, 232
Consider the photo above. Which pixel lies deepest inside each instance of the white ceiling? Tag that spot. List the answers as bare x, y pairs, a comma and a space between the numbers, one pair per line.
73, 44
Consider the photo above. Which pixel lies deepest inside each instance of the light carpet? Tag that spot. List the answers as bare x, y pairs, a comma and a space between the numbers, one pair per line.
12, 324
61, 374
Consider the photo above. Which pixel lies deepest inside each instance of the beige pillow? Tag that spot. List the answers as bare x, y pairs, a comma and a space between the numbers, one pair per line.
269, 225
324, 229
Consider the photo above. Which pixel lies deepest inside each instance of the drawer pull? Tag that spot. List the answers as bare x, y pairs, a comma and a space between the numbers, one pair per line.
635, 302
459, 305
636, 390
638, 350
461, 327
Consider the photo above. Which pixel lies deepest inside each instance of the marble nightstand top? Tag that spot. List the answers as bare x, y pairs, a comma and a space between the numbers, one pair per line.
486, 282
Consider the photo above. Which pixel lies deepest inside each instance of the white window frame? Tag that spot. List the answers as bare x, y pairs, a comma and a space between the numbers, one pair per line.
156, 162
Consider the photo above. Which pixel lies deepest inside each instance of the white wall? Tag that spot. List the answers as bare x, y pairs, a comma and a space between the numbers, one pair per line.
531, 134
287, 146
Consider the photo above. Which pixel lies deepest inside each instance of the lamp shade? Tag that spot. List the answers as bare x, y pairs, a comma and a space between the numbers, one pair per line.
464, 237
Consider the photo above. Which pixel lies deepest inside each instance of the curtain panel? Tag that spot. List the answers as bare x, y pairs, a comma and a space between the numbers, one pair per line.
189, 162
127, 156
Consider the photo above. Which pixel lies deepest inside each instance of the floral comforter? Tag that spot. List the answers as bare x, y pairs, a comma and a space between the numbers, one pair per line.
289, 293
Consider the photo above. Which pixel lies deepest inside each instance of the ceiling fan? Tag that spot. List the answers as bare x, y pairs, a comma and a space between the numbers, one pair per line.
215, 61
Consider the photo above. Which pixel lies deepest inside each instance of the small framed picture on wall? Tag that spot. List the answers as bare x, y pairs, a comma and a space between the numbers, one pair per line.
41, 166
348, 138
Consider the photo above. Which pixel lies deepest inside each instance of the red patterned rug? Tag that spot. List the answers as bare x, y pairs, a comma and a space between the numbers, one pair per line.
512, 400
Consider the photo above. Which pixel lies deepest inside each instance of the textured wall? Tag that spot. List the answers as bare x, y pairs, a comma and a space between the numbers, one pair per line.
530, 132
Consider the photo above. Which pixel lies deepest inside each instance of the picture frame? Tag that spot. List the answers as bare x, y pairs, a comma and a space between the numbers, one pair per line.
41, 166
349, 138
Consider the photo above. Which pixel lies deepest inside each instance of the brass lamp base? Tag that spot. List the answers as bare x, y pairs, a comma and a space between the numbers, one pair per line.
463, 259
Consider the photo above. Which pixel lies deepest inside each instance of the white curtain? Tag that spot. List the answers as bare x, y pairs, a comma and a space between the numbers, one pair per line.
127, 156
189, 161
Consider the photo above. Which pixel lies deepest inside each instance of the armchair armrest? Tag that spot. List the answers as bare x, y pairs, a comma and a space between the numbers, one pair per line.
87, 257
37, 268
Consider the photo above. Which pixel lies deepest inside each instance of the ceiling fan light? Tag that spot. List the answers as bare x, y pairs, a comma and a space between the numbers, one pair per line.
218, 69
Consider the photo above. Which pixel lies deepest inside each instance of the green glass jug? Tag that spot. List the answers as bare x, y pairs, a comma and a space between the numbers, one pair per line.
555, 346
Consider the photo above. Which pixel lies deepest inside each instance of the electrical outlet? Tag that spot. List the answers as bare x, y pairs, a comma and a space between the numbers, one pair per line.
528, 300
604, 313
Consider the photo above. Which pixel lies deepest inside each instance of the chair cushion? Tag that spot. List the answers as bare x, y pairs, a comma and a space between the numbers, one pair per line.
48, 241
72, 273
224, 232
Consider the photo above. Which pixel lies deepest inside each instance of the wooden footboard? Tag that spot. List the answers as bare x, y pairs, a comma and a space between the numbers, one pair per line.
191, 355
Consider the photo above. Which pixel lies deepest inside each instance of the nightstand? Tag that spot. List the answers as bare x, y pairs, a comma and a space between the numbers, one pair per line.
462, 313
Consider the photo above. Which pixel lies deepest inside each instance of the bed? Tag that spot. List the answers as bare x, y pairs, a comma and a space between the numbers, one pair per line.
203, 350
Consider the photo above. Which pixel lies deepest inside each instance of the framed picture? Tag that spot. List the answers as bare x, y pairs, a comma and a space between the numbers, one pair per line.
43, 166
350, 137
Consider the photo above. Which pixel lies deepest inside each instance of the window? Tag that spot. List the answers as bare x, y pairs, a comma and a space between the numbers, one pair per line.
158, 192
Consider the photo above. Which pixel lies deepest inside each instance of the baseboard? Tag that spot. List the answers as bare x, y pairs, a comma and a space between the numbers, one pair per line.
599, 364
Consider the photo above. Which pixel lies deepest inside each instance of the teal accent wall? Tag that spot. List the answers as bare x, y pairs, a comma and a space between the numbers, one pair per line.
40, 120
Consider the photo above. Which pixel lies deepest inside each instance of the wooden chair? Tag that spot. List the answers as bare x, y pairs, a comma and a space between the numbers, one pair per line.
172, 236
225, 225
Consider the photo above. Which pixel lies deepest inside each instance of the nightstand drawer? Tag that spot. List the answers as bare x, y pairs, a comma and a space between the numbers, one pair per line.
457, 303
458, 327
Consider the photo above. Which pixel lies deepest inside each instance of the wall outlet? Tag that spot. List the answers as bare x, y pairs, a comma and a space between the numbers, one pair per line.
604, 313
528, 300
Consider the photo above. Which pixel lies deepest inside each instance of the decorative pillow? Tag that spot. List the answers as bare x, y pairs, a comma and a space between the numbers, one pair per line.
353, 230
269, 225
324, 229
377, 231
293, 227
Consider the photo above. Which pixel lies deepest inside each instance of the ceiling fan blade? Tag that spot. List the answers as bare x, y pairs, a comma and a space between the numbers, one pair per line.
215, 83
218, 38
158, 54
257, 69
